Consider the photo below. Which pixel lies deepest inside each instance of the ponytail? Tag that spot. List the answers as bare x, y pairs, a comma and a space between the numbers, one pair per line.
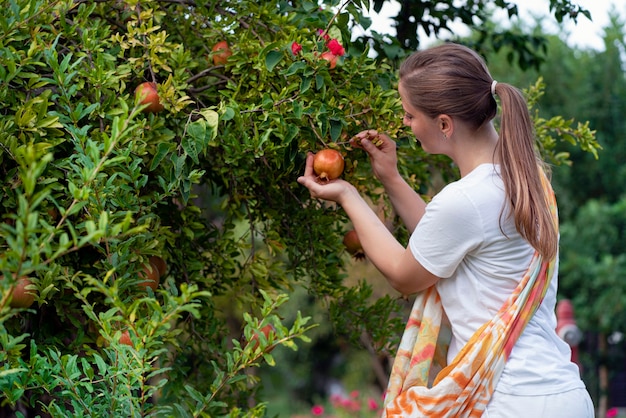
521, 168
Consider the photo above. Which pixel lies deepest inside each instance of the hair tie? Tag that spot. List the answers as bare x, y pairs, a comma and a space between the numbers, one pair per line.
493, 87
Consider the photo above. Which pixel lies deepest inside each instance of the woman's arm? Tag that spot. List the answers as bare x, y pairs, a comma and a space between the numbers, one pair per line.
395, 262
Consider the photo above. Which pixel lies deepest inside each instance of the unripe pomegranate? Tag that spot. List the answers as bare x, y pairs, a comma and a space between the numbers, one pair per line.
328, 164
353, 245
146, 94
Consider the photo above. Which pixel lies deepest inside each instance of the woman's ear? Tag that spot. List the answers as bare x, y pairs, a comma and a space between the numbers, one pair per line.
446, 125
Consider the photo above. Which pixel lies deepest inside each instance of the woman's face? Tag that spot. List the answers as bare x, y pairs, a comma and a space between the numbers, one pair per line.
425, 128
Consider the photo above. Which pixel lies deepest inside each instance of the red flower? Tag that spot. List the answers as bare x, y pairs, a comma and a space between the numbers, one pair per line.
335, 47
613, 412
295, 48
317, 410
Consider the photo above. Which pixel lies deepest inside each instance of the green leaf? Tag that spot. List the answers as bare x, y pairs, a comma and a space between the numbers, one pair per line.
272, 58
161, 153
305, 84
294, 68
195, 394
335, 129
228, 114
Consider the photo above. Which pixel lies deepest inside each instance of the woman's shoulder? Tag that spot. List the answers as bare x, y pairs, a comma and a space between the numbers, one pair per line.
483, 180
478, 197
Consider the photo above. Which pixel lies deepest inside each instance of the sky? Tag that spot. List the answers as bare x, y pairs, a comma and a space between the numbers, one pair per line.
584, 34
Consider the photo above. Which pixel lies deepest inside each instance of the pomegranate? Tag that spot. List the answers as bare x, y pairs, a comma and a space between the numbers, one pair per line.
221, 52
353, 245
267, 330
160, 264
151, 276
125, 338
328, 164
22, 297
146, 94
331, 58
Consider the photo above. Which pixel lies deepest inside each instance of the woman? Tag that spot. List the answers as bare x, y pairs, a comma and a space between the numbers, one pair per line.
484, 250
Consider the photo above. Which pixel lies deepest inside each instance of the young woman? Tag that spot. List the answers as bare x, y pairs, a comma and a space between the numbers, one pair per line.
484, 251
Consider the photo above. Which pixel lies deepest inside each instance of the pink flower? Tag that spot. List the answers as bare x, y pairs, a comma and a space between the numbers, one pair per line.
345, 402
335, 399
354, 406
295, 48
335, 47
611, 413
372, 404
354, 394
317, 410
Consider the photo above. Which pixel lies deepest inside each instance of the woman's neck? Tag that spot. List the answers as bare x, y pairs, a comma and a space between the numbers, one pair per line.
472, 150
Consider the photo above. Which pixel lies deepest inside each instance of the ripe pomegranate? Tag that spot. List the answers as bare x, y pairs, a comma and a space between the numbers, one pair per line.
328, 164
151, 276
22, 297
267, 330
353, 245
146, 94
221, 52
331, 58
159, 263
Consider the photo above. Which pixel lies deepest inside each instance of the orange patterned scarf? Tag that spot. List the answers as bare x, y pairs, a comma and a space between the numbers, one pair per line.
464, 387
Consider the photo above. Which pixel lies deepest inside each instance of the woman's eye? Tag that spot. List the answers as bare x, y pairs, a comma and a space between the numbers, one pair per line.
408, 116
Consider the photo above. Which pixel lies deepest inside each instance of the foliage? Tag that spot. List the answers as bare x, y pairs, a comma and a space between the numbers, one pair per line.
556, 130
435, 18
93, 187
594, 261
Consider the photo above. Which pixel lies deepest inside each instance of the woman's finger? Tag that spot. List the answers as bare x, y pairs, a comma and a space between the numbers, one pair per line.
366, 134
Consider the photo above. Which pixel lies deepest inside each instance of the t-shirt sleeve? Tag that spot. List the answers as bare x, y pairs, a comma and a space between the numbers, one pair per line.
450, 228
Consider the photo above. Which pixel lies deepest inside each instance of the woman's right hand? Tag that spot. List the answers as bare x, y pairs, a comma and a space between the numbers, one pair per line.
381, 150
333, 190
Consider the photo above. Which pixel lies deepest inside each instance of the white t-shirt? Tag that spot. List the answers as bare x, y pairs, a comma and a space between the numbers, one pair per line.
479, 255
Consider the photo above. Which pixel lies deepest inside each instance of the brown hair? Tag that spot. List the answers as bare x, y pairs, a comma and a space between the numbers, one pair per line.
454, 80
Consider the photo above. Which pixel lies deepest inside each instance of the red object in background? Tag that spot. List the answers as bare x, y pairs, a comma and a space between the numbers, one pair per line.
566, 327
